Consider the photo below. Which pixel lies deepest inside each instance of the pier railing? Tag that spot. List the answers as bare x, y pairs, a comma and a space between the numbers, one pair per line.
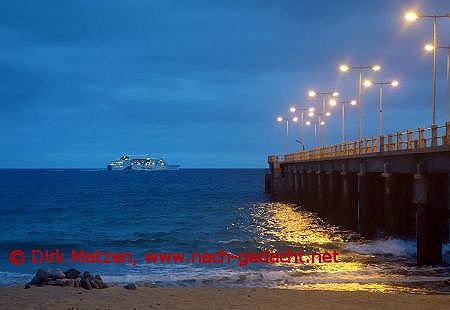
402, 141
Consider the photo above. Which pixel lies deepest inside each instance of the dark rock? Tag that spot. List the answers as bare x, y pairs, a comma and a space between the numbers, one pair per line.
131, 286
77, 282
93, 283
86, 275
65, 282
40, 277
99, 282
57, 274
50, 282
447, 281
84, 283
72, 273
27, 286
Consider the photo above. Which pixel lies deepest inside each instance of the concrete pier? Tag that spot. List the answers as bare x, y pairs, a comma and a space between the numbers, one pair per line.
396, 189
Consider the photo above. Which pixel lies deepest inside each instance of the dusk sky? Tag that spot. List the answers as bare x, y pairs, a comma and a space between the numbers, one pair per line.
200, 82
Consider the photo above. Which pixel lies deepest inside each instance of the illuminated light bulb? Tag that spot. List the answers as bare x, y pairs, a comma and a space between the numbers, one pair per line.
353, 102
411, 16
367, 83
308, 123
311, 93
344, 68
333, 102
376, 68
279, 119
429, 47
394, 83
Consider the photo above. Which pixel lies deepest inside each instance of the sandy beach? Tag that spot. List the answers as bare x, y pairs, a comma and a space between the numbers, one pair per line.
210, 298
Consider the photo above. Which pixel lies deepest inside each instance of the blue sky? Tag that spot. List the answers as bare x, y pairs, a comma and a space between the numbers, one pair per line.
198, 82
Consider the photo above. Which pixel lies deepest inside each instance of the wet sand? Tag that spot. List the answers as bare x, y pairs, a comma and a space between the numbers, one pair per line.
50, 297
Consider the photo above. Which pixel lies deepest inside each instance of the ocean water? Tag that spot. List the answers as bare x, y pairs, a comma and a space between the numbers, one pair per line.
198, 210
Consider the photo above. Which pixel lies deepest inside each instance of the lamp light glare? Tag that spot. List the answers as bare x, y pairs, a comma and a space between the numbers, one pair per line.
411, 16
344, 68
367, 83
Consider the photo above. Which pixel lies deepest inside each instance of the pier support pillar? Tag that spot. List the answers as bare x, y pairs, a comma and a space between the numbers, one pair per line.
321, 192
303, 189
349, 215
310, 189
367, 214
429, 242
334, 208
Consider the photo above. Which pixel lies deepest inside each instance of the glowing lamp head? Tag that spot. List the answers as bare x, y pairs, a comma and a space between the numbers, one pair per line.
311, 93
310, 114
367, 83
308, 123
335, 94
293, 109
394, 83
353, 102
295, 119
411, 16
279, 119
328, 114
376, 68
333, 102
429, 47
344, 68
322, 123
311, 109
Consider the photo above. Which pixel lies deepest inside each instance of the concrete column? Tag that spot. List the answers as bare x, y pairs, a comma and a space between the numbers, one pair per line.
391, 220
367, 216
334, 206
321, 193
303, 189
349, 215
429, 244
296, 185
310, 189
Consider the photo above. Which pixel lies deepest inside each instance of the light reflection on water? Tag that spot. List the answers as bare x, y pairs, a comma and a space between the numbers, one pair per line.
283, 226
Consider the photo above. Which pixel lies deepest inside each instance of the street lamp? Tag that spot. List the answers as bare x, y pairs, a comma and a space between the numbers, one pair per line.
346, 68
369, 83
412, 16
333, 102
280, 119
315, 123
429, 47
324, 95
302, 110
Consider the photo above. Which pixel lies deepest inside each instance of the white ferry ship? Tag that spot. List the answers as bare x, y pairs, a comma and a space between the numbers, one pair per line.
140, 162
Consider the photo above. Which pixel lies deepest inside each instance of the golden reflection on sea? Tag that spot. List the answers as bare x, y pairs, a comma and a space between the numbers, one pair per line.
303, 230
